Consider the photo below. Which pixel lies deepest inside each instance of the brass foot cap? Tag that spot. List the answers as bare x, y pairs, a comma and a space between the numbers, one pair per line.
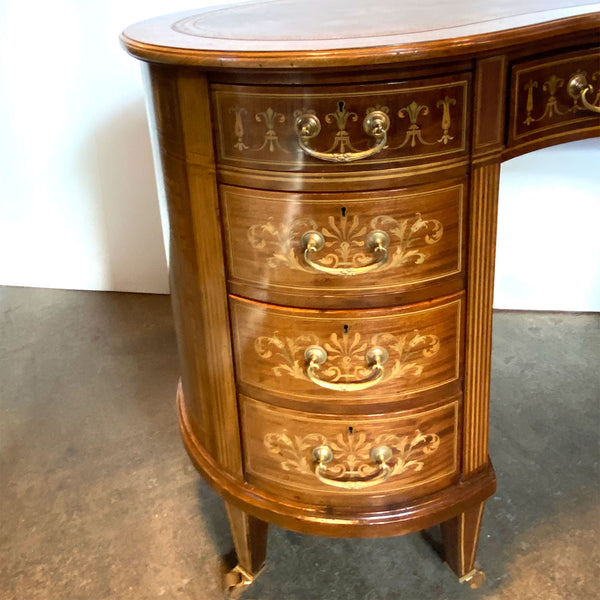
237, 582
474, 578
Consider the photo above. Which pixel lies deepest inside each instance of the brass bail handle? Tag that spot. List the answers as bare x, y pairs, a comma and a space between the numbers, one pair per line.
375, 124
377, 241
578, 88
375, 357
379, 455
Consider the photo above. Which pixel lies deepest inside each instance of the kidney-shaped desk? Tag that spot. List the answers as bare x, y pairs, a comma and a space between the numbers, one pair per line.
331, 174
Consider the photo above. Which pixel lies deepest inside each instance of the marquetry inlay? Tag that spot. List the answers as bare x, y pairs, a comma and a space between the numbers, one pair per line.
344, 237
331, 187
346, 354
352, 460
543, 103
256, 127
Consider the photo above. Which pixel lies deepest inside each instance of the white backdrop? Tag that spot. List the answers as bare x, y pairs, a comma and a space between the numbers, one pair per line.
78, 206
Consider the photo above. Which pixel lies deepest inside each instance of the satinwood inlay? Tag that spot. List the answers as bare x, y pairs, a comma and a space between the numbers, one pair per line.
331, 173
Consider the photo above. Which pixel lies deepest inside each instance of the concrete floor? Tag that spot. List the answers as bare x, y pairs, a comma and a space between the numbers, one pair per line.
98, 500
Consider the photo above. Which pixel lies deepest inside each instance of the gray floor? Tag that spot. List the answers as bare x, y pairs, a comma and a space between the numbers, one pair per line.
99, 501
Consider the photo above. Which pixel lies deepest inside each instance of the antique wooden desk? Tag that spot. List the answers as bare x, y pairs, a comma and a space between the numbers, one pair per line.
331, 174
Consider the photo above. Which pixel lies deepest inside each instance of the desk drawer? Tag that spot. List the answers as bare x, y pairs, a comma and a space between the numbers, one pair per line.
268, 235
350, 460
541, 106
256, 125
332, 360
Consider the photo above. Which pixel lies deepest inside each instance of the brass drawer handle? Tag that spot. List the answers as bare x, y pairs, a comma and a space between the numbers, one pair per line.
379, 455
376, 124
376, 241
578, 87
315, 356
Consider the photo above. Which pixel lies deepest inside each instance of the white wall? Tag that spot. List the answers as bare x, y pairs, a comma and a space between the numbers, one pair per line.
78, 206
548, 246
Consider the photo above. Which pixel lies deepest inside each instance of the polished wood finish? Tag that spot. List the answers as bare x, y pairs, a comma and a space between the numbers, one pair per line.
534, 23
348, 403
279, 445
249, 538
460, 536
256, 124
266, 260
208, 377
423, 342
480, 290
488, 125
541, 107
334, 521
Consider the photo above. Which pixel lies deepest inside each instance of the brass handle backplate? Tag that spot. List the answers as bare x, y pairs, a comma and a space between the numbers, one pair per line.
376, 241
578, 88
375, 357
379, 455
375, 124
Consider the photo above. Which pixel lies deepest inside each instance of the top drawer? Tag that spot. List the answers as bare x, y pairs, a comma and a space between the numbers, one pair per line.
258, 127
542, 107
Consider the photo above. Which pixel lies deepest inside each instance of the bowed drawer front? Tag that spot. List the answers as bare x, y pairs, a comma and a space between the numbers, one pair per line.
348, 248
332, 359
354, 460
545, 104
329, 127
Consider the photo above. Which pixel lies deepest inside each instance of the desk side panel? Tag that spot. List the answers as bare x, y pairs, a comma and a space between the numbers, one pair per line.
179, 110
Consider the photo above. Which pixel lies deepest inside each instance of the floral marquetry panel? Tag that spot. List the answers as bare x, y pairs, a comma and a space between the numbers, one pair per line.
542, 106
270, 257
379, 356
280, 447
257, 126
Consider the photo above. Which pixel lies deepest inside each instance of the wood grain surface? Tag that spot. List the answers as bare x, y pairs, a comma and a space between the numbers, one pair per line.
424, 343
480, 293
279, 445
192, 203
256, 124
541, 107
266, 259
242, 188
336, 521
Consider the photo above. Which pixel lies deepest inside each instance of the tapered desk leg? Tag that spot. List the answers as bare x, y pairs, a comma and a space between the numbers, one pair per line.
460, 536
250, 540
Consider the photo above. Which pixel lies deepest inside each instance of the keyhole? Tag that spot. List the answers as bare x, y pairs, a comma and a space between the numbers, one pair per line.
343, 211
350, 430
346, 328
341, 105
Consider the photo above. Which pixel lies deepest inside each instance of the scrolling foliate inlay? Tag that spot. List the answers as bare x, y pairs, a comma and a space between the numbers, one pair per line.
351, 453
408, 354
345, 241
